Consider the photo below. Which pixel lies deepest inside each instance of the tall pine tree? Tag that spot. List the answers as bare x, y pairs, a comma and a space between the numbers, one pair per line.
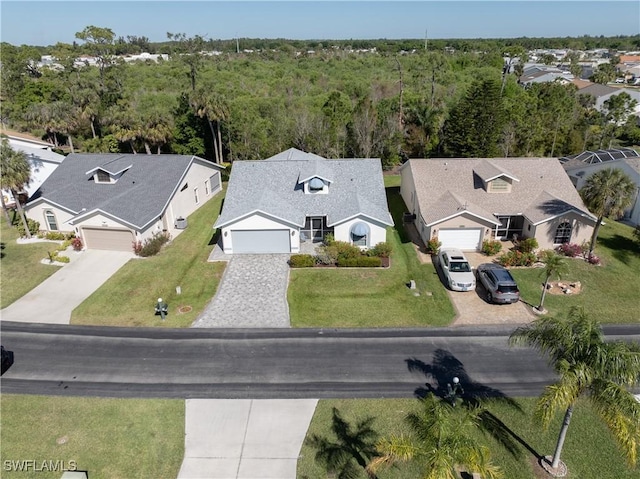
476, 122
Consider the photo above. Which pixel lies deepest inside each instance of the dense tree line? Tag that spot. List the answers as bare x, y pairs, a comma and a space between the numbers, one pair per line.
336, 103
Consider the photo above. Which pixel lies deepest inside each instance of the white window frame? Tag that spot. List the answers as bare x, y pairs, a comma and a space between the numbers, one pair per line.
196, 196
55, 220
569, 227
207, 189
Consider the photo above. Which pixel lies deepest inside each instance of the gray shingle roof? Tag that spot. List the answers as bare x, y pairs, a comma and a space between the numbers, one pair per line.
138, 197
489, 171
544, 189
273, 188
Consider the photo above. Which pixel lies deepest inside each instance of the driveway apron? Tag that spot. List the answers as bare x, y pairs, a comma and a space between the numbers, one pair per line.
251, 294
244, 439
53, 300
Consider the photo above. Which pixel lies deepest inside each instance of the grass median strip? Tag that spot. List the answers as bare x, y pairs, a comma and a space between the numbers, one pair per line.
109, 438
589, 450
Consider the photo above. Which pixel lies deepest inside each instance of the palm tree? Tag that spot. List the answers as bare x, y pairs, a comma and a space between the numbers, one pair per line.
214, 108
15, 175
351, 451
442, 440
587, 365
554, 266
607, 193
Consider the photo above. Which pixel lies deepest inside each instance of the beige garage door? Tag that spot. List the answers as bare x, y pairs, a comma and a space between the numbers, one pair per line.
107, 238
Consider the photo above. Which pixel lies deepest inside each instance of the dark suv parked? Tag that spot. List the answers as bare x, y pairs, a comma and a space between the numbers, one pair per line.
498, 283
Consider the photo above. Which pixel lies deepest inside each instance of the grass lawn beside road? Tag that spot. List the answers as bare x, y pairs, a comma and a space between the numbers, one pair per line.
371, 298
610, 293
109, 438
128, 298
589, 451
20, 267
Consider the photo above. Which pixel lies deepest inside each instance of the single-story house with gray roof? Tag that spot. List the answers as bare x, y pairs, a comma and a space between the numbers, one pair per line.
274, 205
462, 202
111, 200
581, 167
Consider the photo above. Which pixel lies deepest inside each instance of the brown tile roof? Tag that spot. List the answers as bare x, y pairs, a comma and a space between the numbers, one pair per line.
446, 187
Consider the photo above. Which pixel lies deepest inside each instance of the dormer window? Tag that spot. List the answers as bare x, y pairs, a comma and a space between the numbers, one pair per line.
316, 186
102, 177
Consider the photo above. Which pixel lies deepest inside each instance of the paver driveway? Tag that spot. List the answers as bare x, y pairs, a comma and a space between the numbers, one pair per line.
252, 294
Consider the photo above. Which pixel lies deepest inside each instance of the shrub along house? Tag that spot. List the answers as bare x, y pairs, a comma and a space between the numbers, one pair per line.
111, 200
273, 205
462, 202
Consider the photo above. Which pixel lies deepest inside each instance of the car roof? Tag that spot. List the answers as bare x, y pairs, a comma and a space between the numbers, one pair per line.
455, 254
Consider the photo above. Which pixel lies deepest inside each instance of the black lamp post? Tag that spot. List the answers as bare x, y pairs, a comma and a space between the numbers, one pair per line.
454, 390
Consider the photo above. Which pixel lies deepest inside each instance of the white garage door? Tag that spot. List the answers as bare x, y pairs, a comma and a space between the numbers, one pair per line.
103, 238
260, 241
460, 238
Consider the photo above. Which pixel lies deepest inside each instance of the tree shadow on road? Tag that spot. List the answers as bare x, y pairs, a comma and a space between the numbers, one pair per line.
440, 373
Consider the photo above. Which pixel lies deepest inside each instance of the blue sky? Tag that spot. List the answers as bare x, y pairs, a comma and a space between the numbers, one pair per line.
49, 22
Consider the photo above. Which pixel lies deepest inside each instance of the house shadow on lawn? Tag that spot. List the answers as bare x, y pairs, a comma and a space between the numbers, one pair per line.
621, 247
397, 208
444, 367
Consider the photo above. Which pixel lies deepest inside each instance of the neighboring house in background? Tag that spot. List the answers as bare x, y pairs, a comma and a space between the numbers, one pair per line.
42, 160
273, 205
463, 202
580, 167
544, 74
111, 200
602, 93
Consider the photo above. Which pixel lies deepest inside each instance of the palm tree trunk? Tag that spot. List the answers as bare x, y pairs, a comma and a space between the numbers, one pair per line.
544, 293
147, 148
71, 144
219, 142
133, 148
93, 128
594, 236
21, 213
563, 434
215, 145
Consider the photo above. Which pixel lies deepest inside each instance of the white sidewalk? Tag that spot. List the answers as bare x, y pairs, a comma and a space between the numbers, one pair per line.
244, 439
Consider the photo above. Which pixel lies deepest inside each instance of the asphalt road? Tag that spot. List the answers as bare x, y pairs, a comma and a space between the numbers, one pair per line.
273, 363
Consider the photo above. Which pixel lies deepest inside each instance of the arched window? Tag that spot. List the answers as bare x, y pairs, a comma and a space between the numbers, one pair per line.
359, 234
563, 233
51, 220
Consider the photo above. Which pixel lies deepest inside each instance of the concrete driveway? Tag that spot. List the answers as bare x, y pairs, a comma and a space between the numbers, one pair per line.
244, 439
473, 309
251, 294
53, 300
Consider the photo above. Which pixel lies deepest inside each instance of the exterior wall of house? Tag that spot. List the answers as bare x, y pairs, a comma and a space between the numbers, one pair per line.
184, 202
258, 222
37, 212
633, 213
581, 230
408, 189
377, 231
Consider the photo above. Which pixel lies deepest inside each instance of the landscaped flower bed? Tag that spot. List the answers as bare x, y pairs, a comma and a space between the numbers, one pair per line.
342, 254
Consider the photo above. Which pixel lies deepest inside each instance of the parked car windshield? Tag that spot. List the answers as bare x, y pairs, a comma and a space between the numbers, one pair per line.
459, 267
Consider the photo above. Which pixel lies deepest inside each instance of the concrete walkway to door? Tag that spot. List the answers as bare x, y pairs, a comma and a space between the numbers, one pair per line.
53, 300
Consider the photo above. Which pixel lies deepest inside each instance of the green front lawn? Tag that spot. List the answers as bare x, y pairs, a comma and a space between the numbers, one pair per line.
109, 438
589, 450
372, 298
20, 267
609, 292
128, 298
